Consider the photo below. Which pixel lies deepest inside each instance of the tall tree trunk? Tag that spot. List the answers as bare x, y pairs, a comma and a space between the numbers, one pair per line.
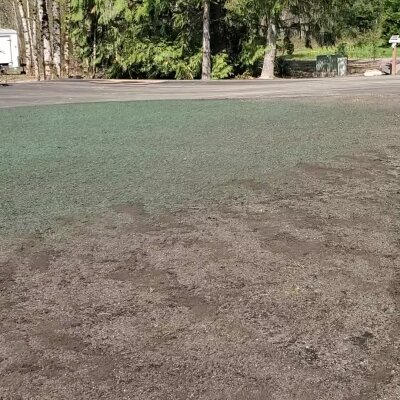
66, 41
268, 70
35, 45
94, 52
45, 33
206, 66
32, 39
25, 32
57, 37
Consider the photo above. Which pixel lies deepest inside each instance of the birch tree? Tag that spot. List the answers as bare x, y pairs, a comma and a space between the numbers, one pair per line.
32, 22
36, 35
45, 38
31, 43
56, 36
65, 36
25, 33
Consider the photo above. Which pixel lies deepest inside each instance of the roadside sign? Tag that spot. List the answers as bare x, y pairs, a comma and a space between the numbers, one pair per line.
395, 39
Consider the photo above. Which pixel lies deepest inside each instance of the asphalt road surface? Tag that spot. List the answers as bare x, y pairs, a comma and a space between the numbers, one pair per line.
79, 91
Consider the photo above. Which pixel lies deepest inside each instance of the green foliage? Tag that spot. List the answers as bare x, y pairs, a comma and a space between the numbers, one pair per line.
163, 38
391, 18
362, 16
155, 60
251, 57
288, 46
351, 50
342, 49
221, 69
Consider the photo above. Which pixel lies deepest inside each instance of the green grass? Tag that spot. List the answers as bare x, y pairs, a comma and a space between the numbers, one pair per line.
352, 51
69, 159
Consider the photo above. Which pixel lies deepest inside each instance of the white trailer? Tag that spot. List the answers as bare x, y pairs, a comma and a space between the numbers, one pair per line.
9, 51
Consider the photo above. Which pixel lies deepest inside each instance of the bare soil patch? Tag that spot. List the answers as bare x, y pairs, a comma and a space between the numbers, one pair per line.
291, 292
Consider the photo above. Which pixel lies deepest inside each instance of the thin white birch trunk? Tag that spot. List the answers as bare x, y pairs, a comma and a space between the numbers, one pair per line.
56, 37
45, 36
25, 33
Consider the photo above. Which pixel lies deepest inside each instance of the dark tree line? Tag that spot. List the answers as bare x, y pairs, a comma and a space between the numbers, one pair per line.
184, 39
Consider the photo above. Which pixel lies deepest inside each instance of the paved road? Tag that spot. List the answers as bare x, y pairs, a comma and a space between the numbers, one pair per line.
76, 91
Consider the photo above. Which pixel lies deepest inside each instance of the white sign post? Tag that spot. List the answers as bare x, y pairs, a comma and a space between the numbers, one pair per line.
394, 40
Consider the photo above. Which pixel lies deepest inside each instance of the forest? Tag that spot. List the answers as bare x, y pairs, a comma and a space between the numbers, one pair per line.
187, 39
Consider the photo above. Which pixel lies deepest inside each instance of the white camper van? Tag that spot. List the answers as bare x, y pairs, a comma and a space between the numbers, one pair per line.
9, 52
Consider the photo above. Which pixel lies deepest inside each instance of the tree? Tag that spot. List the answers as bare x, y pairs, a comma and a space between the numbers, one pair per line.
56, 33
45, 38
26, 35
391, 18
262, 19
33, 38
66, 36
268, 69
206, 65
172, 38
